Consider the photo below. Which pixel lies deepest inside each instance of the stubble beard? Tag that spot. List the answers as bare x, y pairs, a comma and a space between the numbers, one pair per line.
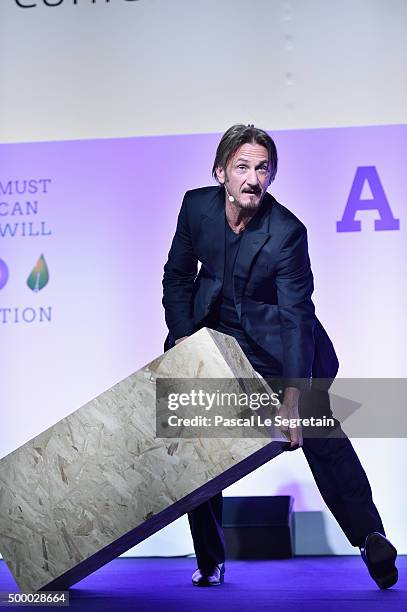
249, 206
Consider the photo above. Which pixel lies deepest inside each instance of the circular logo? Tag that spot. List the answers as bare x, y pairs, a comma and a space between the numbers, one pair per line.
3, 273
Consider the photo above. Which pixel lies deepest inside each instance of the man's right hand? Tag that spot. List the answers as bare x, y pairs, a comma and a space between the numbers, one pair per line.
180, 339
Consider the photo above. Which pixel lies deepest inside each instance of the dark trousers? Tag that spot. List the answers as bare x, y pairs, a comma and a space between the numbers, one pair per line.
341, 481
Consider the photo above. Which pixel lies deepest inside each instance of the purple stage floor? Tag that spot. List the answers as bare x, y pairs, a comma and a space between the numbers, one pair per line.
309, 584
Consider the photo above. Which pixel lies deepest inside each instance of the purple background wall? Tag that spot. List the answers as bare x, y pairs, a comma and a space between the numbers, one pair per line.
103, 221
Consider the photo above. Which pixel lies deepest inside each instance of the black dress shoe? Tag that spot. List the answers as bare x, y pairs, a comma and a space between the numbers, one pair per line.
212, 577
380, 555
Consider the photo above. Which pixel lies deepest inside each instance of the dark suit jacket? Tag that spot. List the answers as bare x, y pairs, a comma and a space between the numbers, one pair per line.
273, 282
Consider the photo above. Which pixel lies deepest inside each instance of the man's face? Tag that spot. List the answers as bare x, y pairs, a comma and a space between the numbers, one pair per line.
247, 175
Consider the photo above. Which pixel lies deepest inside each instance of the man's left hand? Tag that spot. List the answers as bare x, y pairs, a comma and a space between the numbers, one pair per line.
289, 410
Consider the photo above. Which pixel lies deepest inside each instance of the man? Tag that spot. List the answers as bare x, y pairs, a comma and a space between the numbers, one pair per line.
255, 284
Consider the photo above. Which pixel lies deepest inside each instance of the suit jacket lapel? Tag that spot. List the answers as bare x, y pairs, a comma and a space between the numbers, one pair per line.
254, 237
213, 227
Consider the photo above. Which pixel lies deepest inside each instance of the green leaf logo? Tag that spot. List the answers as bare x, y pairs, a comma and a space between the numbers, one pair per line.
39, 276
